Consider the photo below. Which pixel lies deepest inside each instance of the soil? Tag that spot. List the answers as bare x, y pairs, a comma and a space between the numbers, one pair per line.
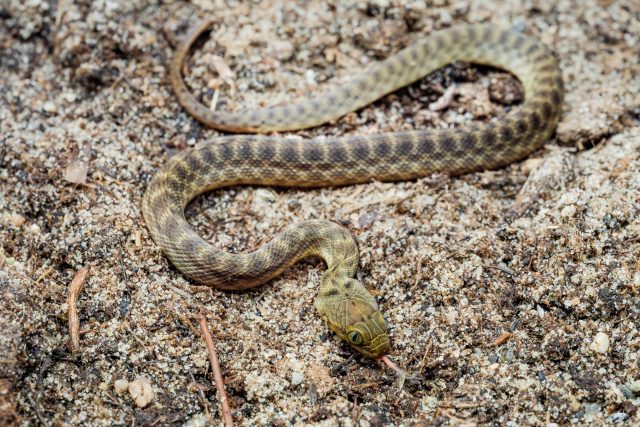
513, 295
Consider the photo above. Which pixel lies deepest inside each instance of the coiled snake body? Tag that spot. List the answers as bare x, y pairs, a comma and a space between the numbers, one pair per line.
349, 309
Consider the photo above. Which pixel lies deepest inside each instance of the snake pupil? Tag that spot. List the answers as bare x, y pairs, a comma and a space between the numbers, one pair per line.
355, 338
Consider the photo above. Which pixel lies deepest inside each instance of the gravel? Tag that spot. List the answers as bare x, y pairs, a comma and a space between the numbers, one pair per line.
546, 249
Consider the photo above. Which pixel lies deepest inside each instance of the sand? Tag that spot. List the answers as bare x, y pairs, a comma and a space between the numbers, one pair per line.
513, 295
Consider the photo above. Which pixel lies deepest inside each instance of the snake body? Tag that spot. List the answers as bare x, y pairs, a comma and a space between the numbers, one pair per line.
349, 309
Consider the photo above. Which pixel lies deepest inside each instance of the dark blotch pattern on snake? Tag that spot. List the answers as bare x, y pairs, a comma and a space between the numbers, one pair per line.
349, 309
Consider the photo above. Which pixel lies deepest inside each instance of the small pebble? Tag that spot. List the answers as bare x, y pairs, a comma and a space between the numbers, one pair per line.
626, 392
310, 76
618, 417
297, 378
141, 391
262, 198
451, 316
600, 343
121, 385
508, 355
568, 211
591, 408
50, 107
198, 420
17, 220
635, 386
283, 49
575, 403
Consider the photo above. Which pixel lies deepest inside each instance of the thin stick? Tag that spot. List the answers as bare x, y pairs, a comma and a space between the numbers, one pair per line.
202, 397
217, 375
74, 321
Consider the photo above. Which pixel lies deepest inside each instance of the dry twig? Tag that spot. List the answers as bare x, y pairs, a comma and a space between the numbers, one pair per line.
202, 397
74, 321
217, 375
503, 338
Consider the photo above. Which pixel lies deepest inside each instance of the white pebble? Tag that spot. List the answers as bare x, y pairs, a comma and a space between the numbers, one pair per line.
141, 391
600, 343
50, 107
262, 198
297, 378
451, 317
310, 76
198, 420
635, 386
121, 385
568, 211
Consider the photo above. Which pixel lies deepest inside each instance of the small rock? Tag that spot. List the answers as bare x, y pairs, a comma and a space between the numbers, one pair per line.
198, 420
297, 378
508, 355
50, 107
568, 211
310, 77
368, 218
141, 391
575, 403
600, 343
17, 220
522, 223
618, 417
626, 392
451, 317
283, 50
262, 198
592, 407
635, 386
121, 385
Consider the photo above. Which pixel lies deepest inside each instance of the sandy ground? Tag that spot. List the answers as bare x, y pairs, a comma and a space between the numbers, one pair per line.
514, 294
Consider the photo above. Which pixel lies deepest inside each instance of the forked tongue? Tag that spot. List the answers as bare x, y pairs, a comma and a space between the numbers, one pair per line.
401, 373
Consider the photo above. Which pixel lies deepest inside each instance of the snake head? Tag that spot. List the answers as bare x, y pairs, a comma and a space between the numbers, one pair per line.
369, 336
351, 311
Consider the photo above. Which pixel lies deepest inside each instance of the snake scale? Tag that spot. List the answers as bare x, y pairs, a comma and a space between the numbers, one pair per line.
343, 302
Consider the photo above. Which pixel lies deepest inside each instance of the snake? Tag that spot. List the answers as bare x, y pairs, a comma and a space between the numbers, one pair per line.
253, 155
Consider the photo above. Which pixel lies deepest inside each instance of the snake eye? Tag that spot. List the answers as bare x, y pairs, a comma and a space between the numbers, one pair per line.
355, 338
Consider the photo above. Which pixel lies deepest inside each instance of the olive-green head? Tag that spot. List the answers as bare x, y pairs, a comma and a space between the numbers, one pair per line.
351, 311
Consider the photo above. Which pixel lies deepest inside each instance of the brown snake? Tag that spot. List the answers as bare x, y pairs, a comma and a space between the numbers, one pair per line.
349, 309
